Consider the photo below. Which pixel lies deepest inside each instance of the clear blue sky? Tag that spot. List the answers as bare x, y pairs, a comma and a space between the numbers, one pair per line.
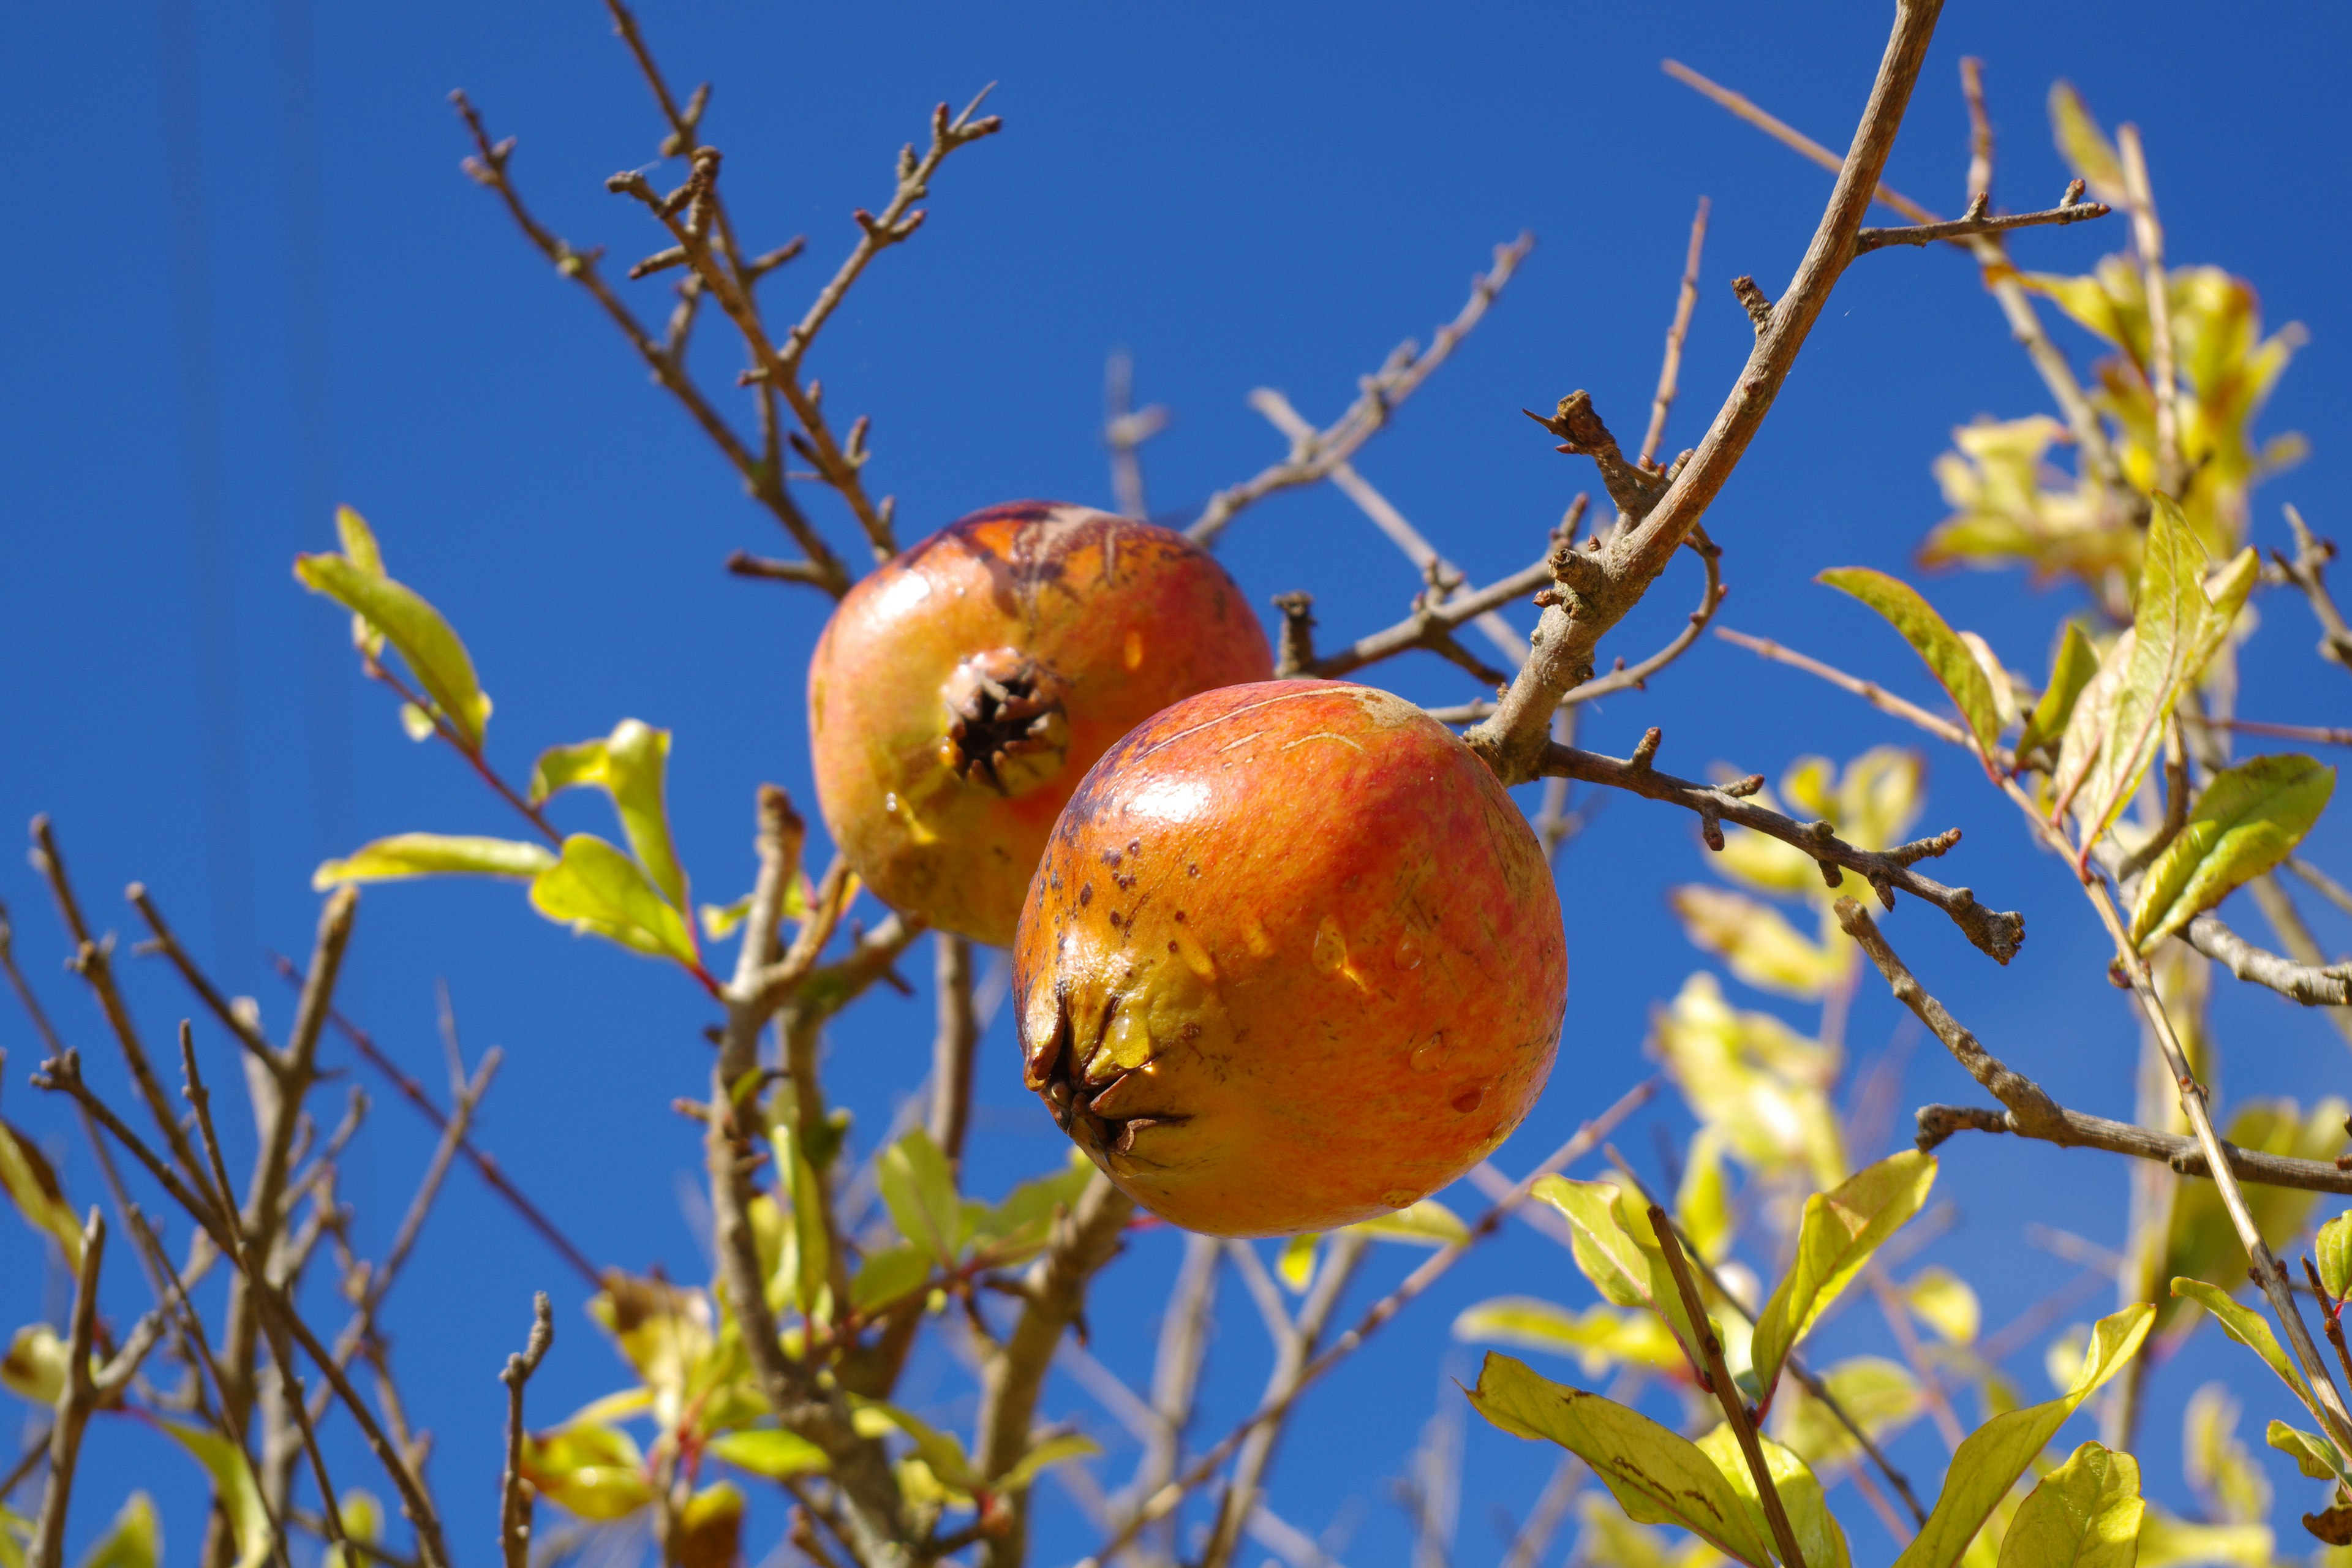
1242, 196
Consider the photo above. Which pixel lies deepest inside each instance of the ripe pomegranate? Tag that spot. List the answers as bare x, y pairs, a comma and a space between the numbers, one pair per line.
1292, 959
961, 691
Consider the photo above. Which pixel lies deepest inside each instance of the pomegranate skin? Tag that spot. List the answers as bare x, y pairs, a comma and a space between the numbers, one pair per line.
1292, 960
961, 691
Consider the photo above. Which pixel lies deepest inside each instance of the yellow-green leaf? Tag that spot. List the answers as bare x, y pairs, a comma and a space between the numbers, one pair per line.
595, 1472
362, 1520
1947, 657
1033, 1464
135, 1539
1880, 1395
1990, 1459
1757, 942
32, 1186
2248, 820
1839, 1232
916, 1182
1944, 1302
1425, 1224
596, 889
1703, 1201
940, 1450
1613, 1242
1819, 1539
812, 1248
2084, 145
1295, 1265
1018, 1227
1658, 1476
2250, 1330
235, 1489
424, 641
1601, 1337
2071, 668
407, 854
769, 1451
2084, 1514
889, 1275
2333, 1247
629, 765
362, 551
34, 1367
2314, 1455
2166, 1541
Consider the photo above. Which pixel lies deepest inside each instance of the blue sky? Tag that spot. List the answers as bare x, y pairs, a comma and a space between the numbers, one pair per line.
1241, 196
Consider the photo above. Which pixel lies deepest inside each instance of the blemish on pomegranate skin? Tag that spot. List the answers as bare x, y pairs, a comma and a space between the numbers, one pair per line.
1399, 1199
1085, 895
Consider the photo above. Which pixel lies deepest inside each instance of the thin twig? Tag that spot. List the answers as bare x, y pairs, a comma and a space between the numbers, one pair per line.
515, 1493
1871, 240
2309, 734
2307, 570
76, 1398
1870, 691
1124, 430
1670, 368
163, 942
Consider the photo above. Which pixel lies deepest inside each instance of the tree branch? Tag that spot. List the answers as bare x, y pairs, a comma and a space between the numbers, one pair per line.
1670, 368
76, 1398
1978, 221
2307, 570
515, 1493
953, 1047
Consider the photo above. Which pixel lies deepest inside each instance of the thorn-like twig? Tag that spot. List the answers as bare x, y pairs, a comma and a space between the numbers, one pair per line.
516, 1495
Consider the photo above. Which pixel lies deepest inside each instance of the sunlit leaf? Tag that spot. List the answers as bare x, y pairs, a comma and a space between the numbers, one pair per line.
1944, 1302
2166, 1541
665, 1331
1947, 657
1819, 1539
1883, 1396
32, 1184
1425, 1224
2220, 1469
1609, 1539
362, 551
2314, 1455
1033, 1464
407, 854
135, 1539
1990, 1459
919, 1188
629, 765
595, 1472
1703, 1201
1019, 1226
234, 1491
812, 1250
1295, 1265
1757, 942
769, 1451
1613, 1244
424, 640
1656, 1477
2250, 1330
891, 1275
2004, 690
1754, 1080
1839, 1232
2071, 668
595, 889
2248, 820
2202, 1242
2084, 145
2084, 1514
1601, 1337
363, 1521
35, 1366
2332, 1248
939, 1450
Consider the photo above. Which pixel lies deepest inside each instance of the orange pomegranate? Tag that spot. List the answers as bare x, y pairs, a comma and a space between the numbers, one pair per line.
1292, 960
960, 693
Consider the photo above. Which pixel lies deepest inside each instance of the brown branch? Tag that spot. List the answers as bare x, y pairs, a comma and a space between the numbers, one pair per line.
1996, 933
952, 1048
2077, 1130
2307, 570
2309, 734
1871, 240
1430, 624
1124, 430
741, 563
2310, 984
1176, 1374
1406, 368
1670, 368
1163, 1502
1597, 589
2286, 921
515, 1493
1979, 177
163, 942
1870, 691
1717, 1378
1054, 1299
76, 1398
484, 1164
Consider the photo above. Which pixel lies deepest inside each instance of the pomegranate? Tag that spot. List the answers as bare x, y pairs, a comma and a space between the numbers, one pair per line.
960, 693
1293, 959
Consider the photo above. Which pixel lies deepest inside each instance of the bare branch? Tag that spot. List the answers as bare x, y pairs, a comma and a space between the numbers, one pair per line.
1871, 240
515, 1493
2311, 986
952, 1047
1979, 179
2307, 570
1124, 430
1597, 589
1405, 370
1670, 368
164, 942
76, 1398
2077, 1130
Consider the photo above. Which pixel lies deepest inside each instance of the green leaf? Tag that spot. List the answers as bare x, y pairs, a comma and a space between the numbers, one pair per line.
32, 1186
2071, 669
629, 765
1020, 1226
1757, 942
590, 1470
1947, 657
889, 1275
1425, 1224
1296, 1265
2168, 1543
16, 1534
1658, 1476
407, 854
812, 1248
2250, 1330
769, 1451
234, 1491
940, 1450
596, 889
1614, 1245
1819, 1539
2248, 820
360, 548
2084, 1514
1033, 1464
2314, 1455
919, 1188
135, 1539
1839, 1232
1990, 1459
362, 1520
35, 1367
2084, 145
432, 651
2334, 1246
1601, 1337
1944, 1302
